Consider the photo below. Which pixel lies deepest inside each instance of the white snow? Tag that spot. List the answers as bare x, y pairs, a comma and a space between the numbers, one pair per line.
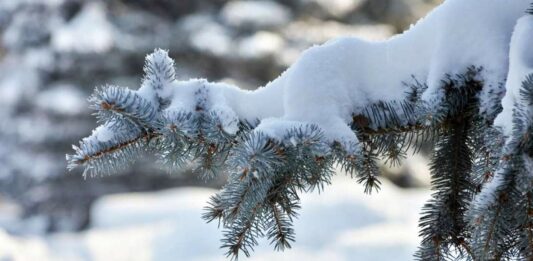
212, 38
342, 223
17, 82
232, 101
16, 34
336, 8
487, 196
258, 14
521, 65
188, 93
319, 31
88, 32
22, 249
260, 45
39, 58
158, 76
102, 133
62, 99
206, 35
332, 81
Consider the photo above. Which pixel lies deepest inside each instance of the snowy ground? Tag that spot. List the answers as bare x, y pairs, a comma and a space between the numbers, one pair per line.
340, 224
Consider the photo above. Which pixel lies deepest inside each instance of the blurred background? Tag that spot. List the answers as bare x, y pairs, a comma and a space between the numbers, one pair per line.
54, 52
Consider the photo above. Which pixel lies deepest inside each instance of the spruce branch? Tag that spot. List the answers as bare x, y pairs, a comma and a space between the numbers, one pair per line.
443, 217
159, 75
192, 124
501, 224
98, 157
124, 108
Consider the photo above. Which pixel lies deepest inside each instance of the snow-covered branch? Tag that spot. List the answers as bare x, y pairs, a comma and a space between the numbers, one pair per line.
346, 102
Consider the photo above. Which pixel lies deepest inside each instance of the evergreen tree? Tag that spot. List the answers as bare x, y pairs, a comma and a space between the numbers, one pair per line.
482, 202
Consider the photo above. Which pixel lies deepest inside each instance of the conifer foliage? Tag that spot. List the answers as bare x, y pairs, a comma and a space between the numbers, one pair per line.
482, 202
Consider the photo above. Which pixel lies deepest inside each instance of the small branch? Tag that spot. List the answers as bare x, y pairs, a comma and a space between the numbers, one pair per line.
492, 227
275, 211
361, 124
147, 136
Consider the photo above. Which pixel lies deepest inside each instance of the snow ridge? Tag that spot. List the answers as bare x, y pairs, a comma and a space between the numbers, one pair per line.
331, 82
521, 65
